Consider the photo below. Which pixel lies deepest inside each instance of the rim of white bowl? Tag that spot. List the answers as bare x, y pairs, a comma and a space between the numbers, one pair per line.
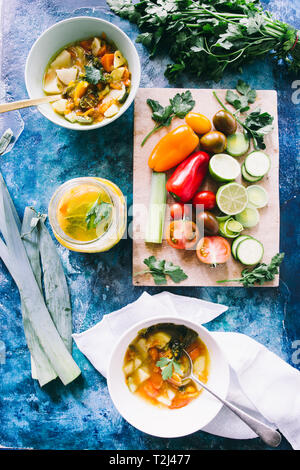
133, 91
190, 324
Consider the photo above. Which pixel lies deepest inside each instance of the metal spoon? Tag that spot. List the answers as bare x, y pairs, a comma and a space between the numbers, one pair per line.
265, 432
5, 107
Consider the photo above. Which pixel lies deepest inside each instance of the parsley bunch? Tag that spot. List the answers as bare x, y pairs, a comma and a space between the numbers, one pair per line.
179, 106
98, 212
260, 274
159, 269
206, 38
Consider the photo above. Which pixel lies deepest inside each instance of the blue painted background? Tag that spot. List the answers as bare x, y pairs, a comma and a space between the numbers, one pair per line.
82, 416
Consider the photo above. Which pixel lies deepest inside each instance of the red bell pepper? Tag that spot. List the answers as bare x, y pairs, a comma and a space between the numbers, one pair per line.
186, 179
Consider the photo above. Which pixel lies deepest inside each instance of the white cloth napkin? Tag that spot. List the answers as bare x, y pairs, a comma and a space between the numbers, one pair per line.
261, 383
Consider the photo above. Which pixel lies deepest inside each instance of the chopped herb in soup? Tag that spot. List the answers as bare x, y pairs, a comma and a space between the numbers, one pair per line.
154, 365
93, 78
85, 212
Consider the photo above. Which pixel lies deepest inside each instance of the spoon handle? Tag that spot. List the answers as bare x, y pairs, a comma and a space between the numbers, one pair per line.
4, 107
266, 433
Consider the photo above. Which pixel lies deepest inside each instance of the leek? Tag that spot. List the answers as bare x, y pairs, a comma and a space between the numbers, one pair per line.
38, 322
157, 208
42, 370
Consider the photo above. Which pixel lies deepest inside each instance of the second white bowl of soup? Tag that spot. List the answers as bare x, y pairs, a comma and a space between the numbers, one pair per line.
144, 377
93, 65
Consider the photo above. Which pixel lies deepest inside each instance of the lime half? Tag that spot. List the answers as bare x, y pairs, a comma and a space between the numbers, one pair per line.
224, 168
232, 198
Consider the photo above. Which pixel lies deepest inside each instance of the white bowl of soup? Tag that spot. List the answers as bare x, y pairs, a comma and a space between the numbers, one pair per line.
92, 64
145, 377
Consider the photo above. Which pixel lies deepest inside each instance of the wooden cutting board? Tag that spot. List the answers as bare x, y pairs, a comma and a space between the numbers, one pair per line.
267, 231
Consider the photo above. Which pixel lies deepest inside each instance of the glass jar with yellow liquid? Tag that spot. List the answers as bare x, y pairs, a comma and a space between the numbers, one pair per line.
88, 214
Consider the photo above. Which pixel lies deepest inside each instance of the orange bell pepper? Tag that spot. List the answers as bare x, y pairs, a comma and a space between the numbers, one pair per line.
173, 148
107, 62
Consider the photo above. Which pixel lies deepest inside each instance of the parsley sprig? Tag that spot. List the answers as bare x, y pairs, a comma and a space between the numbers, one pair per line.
168, 366
93, 75
256, 124
260, 274
159, 269
179, 106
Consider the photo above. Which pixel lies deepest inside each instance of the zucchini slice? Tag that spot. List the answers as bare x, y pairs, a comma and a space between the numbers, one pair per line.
237, 144
249, 251
236, 242
249, 178
257, 164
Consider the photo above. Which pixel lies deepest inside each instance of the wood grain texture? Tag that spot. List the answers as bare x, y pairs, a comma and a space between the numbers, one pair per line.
267, 231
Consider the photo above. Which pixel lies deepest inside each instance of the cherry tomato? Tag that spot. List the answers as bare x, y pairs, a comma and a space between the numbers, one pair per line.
207, 198
213, 142
179, 210
198, 122
182, 234
209, 221
213, 250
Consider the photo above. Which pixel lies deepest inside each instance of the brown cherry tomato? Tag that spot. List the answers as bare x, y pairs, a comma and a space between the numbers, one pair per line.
225, 122
182, 234
213, 142
213, 250
209, 221
206, 198
198, 122
179, 210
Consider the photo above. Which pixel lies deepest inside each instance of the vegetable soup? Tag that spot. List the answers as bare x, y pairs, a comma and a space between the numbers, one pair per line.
154, 365
93, 78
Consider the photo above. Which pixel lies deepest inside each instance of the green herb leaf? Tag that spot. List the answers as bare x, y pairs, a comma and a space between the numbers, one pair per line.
179, 106
159, 269
93, 75
99, 211
260, 274
167, 366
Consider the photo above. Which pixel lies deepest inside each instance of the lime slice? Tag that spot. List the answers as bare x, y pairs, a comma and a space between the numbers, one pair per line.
232, 198
222, 218
224, 168
233, 225
225, 232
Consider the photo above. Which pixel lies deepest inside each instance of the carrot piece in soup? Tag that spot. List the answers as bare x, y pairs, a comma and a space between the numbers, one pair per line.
102, 51
180, 401
156, 380
149, 389
153, 353
107, 62
86, 44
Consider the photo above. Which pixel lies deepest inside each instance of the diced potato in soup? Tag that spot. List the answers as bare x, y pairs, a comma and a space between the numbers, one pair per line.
154, 365
93, 78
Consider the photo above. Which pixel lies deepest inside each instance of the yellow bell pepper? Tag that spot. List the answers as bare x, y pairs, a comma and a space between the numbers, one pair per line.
173, 148
80, 91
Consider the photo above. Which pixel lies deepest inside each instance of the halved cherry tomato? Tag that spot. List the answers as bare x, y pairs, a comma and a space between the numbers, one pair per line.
179, 210
213, 250
148, 388
207, 198
182, 234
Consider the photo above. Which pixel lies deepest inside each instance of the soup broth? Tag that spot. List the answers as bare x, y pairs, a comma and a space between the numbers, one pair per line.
154, 365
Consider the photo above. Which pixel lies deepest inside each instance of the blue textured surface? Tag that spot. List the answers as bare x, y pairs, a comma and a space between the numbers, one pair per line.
82, 416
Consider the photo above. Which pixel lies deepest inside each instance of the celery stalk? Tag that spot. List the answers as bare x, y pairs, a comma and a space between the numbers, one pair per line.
157, 208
